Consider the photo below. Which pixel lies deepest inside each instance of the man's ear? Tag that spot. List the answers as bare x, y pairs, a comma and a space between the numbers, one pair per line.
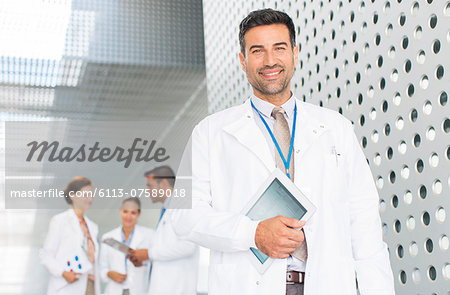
164, 183
242, 60
296, 49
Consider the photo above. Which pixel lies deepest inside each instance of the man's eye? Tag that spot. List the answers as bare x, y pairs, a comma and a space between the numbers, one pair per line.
280, 48
256, 51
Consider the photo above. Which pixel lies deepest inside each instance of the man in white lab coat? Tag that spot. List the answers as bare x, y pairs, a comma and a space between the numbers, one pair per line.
234, 151
174, 261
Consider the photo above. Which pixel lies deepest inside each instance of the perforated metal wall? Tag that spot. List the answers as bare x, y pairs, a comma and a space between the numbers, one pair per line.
92, 60
384, 65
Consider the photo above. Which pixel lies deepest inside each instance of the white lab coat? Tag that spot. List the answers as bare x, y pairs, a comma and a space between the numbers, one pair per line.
175, 262
112, 259
230, 160
64, 240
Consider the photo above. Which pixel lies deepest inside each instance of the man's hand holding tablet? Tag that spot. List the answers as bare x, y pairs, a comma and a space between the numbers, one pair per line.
281, 209
279, 236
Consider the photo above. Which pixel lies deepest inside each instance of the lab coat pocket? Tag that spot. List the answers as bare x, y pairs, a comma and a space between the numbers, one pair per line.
332, 161
220, 274
332, 176
58, 283
347, 275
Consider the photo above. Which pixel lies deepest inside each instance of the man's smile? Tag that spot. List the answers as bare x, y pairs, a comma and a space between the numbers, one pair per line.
271, 74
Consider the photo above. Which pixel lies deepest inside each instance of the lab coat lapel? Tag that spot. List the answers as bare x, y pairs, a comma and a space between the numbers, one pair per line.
249, 134
117, 234
308, 130
75, 224
93, 232
137, 238
245, 130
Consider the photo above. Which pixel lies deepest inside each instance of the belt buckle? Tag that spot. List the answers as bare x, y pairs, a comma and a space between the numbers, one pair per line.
288, 278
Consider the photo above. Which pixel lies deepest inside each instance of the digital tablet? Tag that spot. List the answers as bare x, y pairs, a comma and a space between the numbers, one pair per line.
277, 195
117, 245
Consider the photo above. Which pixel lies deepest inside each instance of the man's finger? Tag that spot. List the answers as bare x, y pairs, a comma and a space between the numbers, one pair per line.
292, 222
281, 255
291, 244
296, 235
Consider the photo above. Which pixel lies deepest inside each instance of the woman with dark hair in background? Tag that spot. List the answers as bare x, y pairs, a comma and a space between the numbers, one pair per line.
116, 270
71, 249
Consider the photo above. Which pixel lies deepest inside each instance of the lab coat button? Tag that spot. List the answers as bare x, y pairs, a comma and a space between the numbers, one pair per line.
257, 282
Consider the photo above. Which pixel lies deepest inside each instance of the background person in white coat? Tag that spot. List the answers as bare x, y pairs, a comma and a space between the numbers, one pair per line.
174, 261
71, 244
121, 275
233, 152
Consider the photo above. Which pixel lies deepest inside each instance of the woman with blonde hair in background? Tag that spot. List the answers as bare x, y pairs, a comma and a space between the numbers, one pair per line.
122, 277
71, 249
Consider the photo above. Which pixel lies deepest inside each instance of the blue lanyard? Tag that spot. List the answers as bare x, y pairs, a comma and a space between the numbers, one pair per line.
163, 210
128, 244
286, 162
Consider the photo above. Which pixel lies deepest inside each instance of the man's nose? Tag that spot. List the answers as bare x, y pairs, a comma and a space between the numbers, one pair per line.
269, 58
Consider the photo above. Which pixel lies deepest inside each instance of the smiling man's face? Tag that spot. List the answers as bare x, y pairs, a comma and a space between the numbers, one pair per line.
269, 61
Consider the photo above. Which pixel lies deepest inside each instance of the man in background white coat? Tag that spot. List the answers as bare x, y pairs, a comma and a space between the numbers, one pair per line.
174, 261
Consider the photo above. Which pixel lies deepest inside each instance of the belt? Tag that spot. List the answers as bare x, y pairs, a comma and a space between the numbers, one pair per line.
293, 277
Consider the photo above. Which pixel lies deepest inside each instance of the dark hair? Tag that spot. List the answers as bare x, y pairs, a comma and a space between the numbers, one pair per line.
265, 17
133, 199
75, 185
162, 172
